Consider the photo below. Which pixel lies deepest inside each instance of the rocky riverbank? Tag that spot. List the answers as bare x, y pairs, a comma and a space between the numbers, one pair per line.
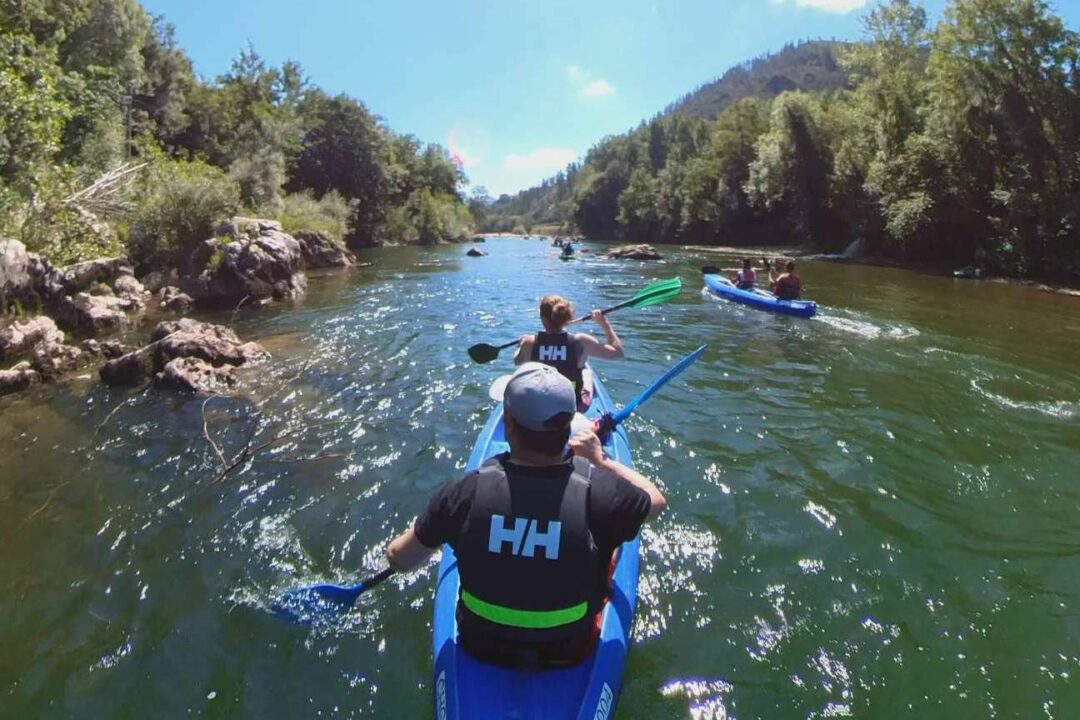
58, 321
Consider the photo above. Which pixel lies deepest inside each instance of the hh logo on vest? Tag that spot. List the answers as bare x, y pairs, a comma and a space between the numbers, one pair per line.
552, 353
524, 537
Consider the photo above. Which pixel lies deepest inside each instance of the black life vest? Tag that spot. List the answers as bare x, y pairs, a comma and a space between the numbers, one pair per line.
561, 352
527, 559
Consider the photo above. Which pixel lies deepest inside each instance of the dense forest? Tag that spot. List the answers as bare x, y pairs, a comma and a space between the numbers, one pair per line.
950, 139
110, 143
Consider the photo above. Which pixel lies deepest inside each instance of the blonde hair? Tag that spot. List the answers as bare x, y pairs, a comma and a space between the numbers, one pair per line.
555, 312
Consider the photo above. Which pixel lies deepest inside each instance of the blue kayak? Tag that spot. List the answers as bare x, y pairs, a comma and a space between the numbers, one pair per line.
466, 689
758, 298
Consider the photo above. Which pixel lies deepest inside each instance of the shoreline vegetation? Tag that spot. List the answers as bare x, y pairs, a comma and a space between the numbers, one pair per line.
956, 144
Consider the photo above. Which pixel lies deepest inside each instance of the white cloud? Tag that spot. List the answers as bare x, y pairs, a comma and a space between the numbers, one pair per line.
598, 88
573, 71
552, 158
469, 142
835, 6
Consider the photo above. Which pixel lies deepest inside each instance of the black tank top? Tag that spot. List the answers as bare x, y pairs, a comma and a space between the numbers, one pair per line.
561, 352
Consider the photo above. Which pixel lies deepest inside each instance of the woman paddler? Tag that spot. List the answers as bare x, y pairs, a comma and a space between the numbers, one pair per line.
568, 352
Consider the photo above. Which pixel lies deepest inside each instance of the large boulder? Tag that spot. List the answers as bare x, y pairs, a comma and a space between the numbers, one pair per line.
634, 252
257, 268
216, 344
18, 378
95, 314
320, 250
190, 374
23, 335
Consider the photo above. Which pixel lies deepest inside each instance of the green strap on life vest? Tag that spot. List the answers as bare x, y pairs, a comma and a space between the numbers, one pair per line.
531, 619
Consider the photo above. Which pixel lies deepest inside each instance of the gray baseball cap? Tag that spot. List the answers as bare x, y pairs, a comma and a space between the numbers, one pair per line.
538, 397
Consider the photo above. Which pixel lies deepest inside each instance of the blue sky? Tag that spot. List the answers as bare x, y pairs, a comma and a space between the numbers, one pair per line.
517, 88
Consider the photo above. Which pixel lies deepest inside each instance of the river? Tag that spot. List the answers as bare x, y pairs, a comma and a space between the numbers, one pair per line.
873, 513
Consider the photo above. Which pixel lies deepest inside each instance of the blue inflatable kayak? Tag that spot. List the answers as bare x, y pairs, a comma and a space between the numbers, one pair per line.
466, 689
760, 299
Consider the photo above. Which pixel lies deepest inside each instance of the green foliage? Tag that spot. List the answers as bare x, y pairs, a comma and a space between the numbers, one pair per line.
180, 204
330, 213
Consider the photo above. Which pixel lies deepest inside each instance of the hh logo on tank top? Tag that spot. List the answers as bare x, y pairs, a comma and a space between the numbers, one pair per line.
552, 353
524, 537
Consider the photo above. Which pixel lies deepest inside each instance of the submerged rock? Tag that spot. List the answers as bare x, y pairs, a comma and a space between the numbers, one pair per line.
320, 250
18, 378
190, 374
634, 252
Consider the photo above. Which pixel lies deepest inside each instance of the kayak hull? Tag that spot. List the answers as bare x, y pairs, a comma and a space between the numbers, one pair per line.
759, 299
466, 689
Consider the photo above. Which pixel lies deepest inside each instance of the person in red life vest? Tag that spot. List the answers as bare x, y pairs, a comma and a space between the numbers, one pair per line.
787, 286
745, 278
567, 352
534, 531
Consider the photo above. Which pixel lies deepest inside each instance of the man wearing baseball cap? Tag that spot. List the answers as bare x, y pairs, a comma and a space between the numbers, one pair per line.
534, 530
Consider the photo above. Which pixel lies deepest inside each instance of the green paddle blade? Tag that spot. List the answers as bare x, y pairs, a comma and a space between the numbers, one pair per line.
483, 353
656, 293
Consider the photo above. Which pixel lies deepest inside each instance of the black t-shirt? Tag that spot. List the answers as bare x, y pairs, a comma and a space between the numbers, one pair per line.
617, 509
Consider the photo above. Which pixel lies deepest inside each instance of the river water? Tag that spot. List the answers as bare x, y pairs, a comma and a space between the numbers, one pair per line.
873, 513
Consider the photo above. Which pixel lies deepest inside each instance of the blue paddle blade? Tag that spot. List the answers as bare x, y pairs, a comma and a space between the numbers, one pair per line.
660, 382
304, 605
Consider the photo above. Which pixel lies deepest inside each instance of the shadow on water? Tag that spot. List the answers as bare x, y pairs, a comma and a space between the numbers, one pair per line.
871, 513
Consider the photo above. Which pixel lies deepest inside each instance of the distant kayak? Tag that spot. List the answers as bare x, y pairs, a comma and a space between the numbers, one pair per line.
759, 299
564, 256
468, 689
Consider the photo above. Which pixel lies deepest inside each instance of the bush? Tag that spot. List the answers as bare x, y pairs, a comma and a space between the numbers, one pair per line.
330, 213
179, 205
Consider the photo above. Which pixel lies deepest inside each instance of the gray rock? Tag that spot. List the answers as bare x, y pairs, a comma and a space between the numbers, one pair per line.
16, 282
320, 250
634, 252
190, 374
268, 266
128, 285
170, 298
93, 315
473, 252
216, 344
155, 281
239, 228
53, 359
18, 378
134, 368
80, 276
107, 349
21, 336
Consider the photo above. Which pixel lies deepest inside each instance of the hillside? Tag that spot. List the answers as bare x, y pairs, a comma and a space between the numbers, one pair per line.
809, 66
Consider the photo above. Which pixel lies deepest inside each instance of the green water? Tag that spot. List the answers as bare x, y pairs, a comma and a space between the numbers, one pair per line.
872, 513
